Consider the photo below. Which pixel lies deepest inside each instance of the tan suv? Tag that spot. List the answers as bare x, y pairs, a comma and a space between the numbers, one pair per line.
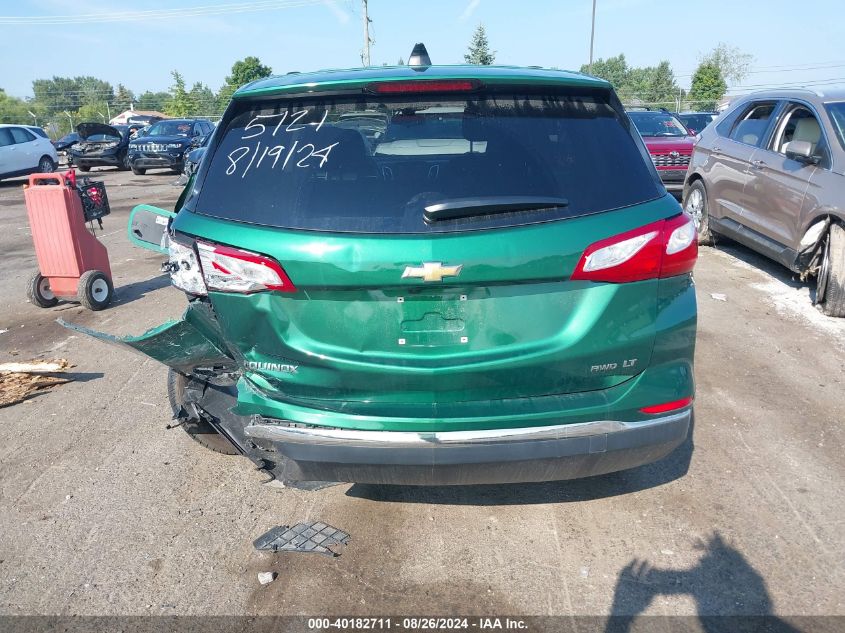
770, 173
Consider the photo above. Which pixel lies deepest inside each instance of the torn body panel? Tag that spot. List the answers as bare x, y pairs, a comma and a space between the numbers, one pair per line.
193, 343
811, 249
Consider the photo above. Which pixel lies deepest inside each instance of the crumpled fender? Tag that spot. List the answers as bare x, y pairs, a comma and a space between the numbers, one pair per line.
811, 248
192, 343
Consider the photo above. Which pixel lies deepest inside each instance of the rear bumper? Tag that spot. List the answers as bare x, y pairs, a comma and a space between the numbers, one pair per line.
549, 453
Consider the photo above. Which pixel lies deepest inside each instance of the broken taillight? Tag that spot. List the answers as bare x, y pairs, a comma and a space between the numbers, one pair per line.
661, 249
228, 269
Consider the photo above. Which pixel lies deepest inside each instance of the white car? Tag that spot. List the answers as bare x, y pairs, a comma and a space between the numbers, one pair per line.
24, 152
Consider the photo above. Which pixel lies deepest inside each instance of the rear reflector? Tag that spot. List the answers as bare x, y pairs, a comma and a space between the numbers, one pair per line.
661, 249
667, 406
228, 269
406, 87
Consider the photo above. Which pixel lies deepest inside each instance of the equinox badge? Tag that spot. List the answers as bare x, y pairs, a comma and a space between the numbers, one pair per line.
431, 271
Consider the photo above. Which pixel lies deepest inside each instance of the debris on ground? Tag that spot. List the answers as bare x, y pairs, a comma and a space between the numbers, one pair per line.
19, 381
266, 577
316, 537
718, 296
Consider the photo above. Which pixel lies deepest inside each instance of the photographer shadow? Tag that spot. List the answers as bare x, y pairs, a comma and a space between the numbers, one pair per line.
730, 595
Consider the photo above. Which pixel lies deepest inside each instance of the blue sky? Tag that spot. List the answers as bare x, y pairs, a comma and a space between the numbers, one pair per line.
314, 34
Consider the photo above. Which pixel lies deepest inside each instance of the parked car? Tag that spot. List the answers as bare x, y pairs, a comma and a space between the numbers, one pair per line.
64, 143
63, 146
194, 156
38, 131
100, 145
22, 152
520, 311
696, 121
669, 144
769, 174
165, 144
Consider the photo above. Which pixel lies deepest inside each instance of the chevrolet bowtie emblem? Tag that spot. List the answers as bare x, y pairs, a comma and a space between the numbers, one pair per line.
431, 271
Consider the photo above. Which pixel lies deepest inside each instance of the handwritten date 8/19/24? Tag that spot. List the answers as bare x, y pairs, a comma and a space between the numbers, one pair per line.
270, 153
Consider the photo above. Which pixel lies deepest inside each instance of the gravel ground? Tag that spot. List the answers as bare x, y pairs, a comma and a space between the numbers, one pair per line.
104, 511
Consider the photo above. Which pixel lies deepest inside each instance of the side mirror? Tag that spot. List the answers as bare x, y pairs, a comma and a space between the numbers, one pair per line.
802, 151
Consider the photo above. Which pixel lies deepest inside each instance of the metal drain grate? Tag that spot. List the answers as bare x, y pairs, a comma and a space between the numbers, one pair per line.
315, 537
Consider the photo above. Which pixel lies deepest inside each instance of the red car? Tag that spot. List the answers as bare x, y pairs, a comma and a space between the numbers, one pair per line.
669, 142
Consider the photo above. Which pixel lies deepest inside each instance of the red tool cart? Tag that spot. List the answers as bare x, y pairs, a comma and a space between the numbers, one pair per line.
73, 264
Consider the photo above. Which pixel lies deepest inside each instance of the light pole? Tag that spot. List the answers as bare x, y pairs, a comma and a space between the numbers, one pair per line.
592, 36
70, 118
32, 114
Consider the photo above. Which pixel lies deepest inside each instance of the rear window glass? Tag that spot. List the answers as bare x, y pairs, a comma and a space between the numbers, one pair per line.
372, 164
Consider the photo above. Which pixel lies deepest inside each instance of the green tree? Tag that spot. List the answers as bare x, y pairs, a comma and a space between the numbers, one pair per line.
732, 63
13, 110
244, 71
613, 69
70, 93
479, 52
181, 103
153, 101
645, 85
401, 62
204, 99
708, 86
123, 98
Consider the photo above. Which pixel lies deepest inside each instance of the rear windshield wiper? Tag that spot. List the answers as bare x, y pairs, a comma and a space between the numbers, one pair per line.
468, 207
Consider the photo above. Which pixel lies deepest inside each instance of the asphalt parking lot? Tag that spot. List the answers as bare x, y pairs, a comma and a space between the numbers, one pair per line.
105, 511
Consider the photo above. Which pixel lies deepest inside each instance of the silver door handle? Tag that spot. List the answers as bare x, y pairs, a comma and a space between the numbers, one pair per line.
758, 164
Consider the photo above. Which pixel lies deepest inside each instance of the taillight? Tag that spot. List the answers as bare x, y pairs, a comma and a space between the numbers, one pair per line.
228, 269
661, 249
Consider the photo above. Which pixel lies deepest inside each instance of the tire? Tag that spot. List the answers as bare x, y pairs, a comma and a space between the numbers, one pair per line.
198, 430
139, 171
38, 292
85, 168
695, 204
124, 163
46, 165
95, 290
833, 271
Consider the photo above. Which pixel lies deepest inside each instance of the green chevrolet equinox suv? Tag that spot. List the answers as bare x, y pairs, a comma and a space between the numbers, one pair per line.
430, 275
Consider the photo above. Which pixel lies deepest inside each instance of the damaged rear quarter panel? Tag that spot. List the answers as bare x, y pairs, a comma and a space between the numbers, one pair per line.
191, 343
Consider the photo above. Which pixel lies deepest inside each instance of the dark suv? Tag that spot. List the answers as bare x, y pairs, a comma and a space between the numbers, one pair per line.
165, 144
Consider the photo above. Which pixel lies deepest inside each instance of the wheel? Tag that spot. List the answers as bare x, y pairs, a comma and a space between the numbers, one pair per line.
139, 171
46, 165
695, 205
95, 290
198, 430
124, 163
85, 168
831, 283
38, 292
